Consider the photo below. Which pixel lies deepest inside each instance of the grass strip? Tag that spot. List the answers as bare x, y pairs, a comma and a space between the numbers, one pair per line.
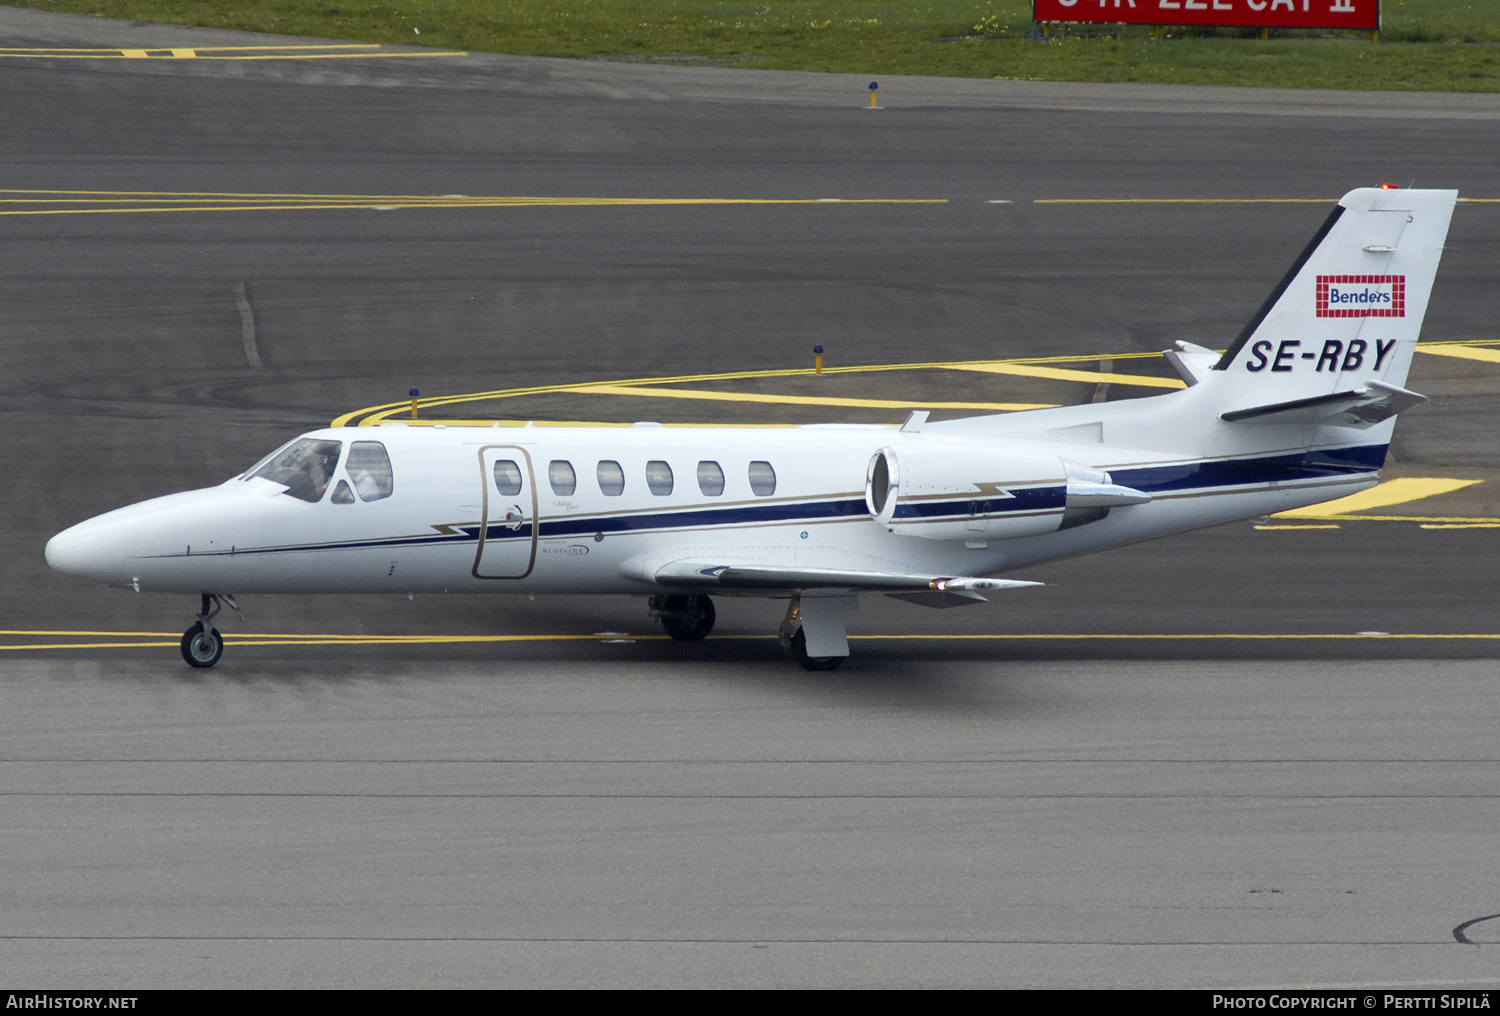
1427, 45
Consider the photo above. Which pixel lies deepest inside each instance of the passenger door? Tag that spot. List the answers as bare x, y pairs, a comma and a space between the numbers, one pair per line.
508, 530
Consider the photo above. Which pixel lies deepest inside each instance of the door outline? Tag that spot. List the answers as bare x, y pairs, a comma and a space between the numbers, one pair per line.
484, 510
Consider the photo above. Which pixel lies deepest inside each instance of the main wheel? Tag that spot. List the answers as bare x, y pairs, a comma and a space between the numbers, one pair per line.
202, 648
687, 618
799, 652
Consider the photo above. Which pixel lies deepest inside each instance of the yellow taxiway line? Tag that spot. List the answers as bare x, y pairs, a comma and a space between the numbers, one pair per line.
143, 202
342, 52
1398, 491
1040, 367
801, 400
1061, 374
250, 640
1462, 351
1026, 366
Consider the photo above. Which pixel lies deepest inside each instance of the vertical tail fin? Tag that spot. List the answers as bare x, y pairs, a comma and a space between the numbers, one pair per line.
1349, 311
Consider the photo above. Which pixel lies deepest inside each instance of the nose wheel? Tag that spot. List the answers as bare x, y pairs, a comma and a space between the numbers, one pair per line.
202, 645
202, 648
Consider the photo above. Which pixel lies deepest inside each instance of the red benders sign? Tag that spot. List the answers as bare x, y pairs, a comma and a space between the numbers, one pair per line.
1361, 296
1361, 14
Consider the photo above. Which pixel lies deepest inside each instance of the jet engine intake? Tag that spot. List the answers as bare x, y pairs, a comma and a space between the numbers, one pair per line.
972, 492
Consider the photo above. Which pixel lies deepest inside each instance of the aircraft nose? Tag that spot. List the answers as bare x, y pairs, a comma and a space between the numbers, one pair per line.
90, 550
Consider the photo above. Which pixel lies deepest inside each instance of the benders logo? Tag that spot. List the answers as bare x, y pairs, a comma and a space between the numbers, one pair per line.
1361, 296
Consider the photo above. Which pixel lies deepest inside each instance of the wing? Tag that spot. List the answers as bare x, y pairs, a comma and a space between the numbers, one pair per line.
928, 590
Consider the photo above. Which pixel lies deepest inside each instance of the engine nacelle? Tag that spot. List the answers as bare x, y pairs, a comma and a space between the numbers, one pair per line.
975, 493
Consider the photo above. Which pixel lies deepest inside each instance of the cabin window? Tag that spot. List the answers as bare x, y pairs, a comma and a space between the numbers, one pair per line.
659, 477
507, 477
710, 478
369, 469
611, 478
342, 494
303, 467
560, 474
762, 479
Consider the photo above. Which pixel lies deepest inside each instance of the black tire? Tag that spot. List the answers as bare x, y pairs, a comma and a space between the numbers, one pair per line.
687, 618
200, 649
799, 652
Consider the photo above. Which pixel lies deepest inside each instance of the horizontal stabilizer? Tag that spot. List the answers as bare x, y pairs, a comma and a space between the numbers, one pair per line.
1362, 407
1191, 362
704, 575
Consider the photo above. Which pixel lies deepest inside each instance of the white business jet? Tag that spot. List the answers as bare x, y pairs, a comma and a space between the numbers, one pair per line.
1298, 410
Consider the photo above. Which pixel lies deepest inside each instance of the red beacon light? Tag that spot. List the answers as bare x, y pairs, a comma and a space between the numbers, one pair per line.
1390, 186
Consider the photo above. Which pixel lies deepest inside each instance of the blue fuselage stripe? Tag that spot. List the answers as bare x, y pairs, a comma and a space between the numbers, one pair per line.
1200, 475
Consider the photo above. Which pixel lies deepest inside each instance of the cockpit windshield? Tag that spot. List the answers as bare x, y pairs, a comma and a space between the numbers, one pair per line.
303, 467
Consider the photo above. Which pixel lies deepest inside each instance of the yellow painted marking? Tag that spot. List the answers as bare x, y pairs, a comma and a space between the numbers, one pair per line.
141, 202
7, 50
797, 400
1398, 491
1407, 518
341, 56
1297, 527
238, 195
1462, 352
251, 640
1062, 374
93, 645
368, 50
1464, 525
374, 415
115, 634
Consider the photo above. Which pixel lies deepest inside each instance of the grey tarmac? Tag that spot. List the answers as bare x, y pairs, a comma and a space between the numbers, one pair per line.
948, 811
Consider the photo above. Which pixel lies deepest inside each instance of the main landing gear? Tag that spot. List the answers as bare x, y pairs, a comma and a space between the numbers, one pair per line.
813, 630
202, 645
686, 618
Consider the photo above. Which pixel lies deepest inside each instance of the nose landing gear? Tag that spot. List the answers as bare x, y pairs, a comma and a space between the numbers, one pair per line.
686, 618
202, 645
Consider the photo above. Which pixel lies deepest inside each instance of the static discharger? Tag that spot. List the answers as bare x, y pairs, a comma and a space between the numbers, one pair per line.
415, 394
874, 86
817, 359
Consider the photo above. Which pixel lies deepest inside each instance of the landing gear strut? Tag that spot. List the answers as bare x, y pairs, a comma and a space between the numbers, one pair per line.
686, 618
202, 645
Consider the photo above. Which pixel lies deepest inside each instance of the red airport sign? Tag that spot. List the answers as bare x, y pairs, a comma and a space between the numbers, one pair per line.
1360, 14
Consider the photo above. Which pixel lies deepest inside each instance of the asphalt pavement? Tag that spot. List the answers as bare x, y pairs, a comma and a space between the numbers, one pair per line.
1178, 764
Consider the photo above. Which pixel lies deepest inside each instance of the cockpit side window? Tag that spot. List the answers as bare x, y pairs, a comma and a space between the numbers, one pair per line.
304, 468
369, 469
